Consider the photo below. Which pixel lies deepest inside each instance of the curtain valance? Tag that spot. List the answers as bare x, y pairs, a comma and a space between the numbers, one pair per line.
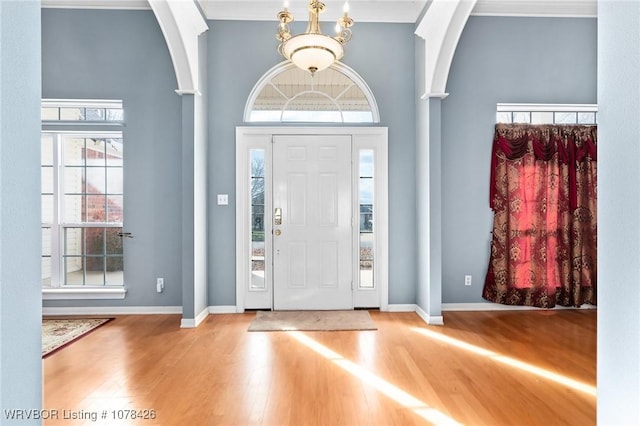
572, 144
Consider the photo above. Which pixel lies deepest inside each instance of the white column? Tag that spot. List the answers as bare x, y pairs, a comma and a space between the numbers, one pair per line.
20, 235
618, 374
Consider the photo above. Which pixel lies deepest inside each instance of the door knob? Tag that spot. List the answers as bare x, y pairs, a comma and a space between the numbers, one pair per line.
277, 232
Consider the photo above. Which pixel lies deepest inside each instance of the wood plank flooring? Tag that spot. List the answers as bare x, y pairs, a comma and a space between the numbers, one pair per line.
405, 373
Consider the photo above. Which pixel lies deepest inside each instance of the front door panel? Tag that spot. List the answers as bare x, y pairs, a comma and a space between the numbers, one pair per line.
312, 229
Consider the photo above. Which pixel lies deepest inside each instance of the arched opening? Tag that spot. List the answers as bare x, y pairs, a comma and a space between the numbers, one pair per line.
287, 94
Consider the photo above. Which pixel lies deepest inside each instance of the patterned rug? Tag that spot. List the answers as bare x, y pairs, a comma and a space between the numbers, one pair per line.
58, 333
312, 321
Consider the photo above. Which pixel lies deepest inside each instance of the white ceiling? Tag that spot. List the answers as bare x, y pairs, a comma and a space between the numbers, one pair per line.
361, 10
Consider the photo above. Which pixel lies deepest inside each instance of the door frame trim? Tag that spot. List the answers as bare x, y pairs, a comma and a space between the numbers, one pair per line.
255, 137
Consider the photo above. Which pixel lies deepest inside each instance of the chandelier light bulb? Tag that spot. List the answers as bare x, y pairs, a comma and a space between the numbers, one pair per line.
286, 4
345, 8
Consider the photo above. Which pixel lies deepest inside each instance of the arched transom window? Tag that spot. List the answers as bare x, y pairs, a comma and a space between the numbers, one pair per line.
287, 94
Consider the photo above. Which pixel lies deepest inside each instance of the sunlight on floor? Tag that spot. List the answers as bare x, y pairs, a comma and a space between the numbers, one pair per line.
398, 395
541, 372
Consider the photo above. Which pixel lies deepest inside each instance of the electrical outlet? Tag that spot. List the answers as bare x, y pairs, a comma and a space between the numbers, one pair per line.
159, 285
467, 280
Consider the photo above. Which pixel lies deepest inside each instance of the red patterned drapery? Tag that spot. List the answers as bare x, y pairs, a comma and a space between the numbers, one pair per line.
543, 194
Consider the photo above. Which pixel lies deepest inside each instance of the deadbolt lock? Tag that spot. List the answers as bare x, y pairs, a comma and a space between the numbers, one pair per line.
277, 216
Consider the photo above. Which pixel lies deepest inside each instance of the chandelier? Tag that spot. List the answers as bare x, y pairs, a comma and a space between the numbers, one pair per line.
313, 51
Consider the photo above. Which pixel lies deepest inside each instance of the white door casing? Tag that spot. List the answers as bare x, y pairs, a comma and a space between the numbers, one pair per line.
261, 138
312, 222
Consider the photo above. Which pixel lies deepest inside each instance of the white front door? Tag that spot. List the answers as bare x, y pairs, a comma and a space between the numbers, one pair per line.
312, 222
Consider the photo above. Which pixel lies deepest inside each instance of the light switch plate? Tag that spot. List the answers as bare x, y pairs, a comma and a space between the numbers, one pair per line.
223, 199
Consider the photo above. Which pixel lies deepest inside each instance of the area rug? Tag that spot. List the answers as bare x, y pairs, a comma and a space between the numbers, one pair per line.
312, 321
58, 333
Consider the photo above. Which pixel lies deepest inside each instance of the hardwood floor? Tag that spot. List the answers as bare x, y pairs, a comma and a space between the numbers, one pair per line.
405, 373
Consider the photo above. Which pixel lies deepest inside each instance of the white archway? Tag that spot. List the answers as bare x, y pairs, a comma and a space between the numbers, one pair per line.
181, 23
441, 27
361, 95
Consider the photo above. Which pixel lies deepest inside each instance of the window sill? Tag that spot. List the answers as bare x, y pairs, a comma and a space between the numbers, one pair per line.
81, 293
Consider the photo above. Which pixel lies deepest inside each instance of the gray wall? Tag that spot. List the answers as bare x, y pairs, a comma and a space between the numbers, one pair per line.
619, 213
533, 60
100, 54
20, 241
235, 67
83, 57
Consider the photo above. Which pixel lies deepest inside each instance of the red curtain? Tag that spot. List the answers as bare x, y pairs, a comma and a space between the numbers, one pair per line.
543, 194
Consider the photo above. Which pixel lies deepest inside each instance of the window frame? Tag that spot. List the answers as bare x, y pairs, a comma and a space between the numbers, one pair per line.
59, 130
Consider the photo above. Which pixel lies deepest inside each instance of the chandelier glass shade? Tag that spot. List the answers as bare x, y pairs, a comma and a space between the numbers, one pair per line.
313, 51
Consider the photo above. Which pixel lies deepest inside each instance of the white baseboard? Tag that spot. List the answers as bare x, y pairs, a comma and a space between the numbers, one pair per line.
401, 308
111, 310
194, 322
429, 319
224, 309
487, 306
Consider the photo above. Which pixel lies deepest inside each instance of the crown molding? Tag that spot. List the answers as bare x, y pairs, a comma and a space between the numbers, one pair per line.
537, 8
96, 4
396, 11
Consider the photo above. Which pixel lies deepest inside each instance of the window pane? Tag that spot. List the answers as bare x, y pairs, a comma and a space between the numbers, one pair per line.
366, 218
94, 240
114, 241
257, 163
46, 147
95, 114
49, 114
257, 223
522, 117
46, 241
72, 114
115, 270
73, 272
46, 178
94, 270
503, 117
114, 180
47, 209
366, 261
46, 271
366, 163
73, 241
96, 180
114, 208
366, 191
115, 150
96, 208
312, 116
357, 116
74, 180
73, 212
565, 117
586, 118
540, 117
257, 262
73, 151
115, 114
96, 149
